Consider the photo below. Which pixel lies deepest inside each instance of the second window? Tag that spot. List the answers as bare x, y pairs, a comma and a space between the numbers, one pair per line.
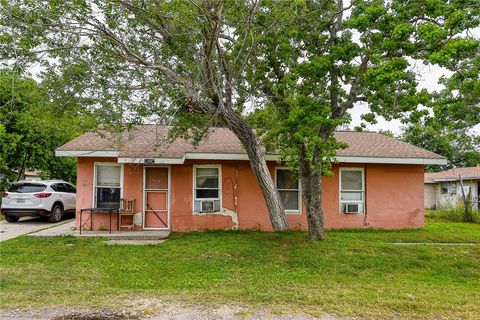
289, 189
352, 190
207, 189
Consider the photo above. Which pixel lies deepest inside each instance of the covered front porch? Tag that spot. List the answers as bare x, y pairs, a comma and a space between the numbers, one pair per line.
125, 198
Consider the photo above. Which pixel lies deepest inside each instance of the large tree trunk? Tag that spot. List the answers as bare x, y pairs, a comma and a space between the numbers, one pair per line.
21, 171
256, 154
311, 182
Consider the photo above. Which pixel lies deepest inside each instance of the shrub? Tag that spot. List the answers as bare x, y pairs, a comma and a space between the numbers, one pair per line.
456, 213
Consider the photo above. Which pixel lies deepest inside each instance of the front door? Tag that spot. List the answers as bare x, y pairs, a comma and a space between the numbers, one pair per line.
156, 205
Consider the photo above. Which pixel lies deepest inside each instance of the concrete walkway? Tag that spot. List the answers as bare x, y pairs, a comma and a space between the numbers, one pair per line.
26, 225
62, 229
435, 243
116, 237
126, 235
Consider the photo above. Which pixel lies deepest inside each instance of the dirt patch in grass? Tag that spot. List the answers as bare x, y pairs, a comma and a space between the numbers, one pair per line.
102, 314
159, 309
67, 314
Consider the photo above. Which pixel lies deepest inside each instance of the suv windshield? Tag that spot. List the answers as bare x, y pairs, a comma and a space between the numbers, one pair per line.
26, 187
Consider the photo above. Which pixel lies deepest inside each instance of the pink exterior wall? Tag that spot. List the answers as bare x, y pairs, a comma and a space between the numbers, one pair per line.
394, 197
85, 172
132, 188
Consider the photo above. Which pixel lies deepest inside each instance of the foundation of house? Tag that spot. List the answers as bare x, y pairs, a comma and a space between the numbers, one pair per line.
126, 235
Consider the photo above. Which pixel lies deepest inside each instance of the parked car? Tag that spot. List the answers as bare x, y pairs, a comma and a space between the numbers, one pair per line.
50, 198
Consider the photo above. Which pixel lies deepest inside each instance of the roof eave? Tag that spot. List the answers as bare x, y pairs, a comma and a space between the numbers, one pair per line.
392, 160
86, 153
241, 156
151, 161
454, 179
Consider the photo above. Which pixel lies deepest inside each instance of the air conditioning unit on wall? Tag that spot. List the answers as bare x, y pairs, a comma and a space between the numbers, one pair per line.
207, 205
353, 208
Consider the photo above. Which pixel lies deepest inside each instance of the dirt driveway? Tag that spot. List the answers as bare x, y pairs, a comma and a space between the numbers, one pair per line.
25, 225
152, 309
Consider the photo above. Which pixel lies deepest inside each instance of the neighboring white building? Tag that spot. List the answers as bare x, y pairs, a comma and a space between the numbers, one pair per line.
443, 189
32, 176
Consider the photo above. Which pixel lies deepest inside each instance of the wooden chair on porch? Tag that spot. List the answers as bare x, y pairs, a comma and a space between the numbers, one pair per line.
126, 210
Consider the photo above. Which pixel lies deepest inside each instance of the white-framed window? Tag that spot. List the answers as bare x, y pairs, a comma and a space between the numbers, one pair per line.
207, 188
289, 189
352, 190
107, 185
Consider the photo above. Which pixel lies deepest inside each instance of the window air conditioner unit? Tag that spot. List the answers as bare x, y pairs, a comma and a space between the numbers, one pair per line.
352, 208
207, 206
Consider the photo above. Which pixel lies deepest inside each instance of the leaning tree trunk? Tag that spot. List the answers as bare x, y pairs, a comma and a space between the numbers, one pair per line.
21, 172
311, 182
256, 154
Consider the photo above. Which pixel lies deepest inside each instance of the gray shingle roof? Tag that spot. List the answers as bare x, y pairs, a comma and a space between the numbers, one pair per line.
453, 174
149, 142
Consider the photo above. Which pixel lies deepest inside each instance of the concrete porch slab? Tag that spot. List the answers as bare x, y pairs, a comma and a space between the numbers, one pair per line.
68, 229
134, 242
126, 235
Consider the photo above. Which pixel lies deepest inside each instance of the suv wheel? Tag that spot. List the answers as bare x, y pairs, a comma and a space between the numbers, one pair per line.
57, 213
11, 218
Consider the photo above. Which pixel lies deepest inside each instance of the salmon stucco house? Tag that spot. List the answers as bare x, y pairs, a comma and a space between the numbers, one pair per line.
377, 182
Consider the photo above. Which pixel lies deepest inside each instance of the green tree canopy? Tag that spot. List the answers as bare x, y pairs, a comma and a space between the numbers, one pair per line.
460, 146
32, 125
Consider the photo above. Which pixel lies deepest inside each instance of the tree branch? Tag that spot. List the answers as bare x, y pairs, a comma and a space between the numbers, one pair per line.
353, 94
333, 31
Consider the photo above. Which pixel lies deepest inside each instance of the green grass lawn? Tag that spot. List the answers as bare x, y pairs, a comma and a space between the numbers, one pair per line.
351, 273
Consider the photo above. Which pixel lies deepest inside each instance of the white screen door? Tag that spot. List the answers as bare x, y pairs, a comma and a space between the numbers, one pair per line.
156, 198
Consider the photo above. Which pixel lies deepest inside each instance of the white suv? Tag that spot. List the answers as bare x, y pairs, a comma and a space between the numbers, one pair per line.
51, 198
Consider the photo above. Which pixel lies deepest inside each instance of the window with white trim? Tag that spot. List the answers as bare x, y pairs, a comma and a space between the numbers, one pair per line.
289, 189
207, 189
352, 190
107, 185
